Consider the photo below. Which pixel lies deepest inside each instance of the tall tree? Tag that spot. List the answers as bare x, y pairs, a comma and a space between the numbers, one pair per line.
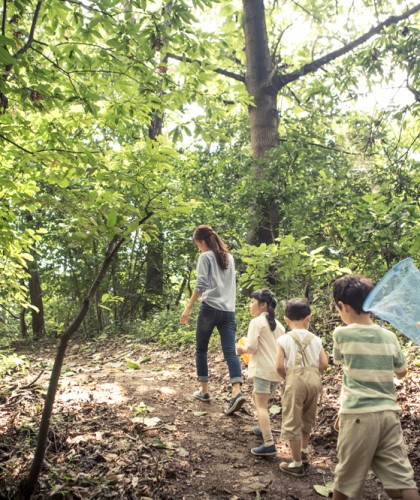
268, 74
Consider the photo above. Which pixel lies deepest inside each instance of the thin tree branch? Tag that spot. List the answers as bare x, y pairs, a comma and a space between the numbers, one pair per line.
3, 20
414, 91
92, 9
28, 43
329, 148
277, 59
220, 71
282, 80
31, 33
27, 386
10, 312
307, 11
55, 65
16, 145
46, 150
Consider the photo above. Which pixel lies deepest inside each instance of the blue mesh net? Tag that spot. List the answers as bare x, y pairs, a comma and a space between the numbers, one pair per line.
396, 299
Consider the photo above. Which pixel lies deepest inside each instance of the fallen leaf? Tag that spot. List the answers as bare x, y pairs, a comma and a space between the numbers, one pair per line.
169, 427
157, 443
275, 409
148, 422
132, 364
324, 490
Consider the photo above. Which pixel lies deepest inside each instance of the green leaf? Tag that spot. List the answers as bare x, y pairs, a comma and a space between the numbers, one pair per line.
111, 219
324, 490
132, 364
4, 40
5, 57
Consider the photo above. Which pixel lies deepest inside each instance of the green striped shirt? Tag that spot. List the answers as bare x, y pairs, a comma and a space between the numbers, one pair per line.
370, 356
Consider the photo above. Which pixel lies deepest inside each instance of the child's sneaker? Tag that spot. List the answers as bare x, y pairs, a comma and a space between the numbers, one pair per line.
264, 451
235, 404
202, 397
293, 471
305, 457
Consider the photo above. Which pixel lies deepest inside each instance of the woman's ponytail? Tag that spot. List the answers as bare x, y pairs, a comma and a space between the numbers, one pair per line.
215, 244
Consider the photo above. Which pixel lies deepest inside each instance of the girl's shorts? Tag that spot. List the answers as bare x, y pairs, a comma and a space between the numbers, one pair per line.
262, 386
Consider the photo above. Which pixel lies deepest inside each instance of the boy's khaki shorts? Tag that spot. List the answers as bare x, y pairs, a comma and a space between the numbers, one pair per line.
371, 440
299, 404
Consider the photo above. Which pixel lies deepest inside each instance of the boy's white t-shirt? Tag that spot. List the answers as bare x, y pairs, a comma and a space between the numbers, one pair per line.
261, 343
290, 349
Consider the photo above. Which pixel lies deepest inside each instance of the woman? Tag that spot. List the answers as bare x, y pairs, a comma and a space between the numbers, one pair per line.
216, 288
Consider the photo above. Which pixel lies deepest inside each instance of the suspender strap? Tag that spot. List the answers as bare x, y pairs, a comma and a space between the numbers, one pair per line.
301, 356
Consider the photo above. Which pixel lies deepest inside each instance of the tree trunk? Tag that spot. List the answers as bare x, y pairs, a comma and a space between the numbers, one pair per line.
154, 275
23, 327
27, 486
263, 82
154, 256
263, 115
35, 293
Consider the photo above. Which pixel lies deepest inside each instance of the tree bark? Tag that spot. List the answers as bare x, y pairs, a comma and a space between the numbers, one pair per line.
35, 293
263, 116
155, 249
263, 82
23, 327
154, 274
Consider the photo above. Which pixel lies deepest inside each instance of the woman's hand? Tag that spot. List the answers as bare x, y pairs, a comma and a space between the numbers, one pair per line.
184, 316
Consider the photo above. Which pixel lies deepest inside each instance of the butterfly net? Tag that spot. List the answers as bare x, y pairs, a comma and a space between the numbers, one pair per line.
396, 299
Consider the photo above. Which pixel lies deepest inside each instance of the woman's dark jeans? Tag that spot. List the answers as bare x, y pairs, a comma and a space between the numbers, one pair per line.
225, 321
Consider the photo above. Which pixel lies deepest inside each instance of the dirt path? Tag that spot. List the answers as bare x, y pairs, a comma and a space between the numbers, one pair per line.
126, 433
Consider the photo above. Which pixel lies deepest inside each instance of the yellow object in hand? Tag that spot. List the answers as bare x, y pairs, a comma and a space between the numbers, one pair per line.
245, 356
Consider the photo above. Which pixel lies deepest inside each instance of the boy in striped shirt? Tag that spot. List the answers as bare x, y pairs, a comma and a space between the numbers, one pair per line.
370, 434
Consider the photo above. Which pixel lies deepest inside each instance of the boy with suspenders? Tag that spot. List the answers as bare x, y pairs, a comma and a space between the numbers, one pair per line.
300, 361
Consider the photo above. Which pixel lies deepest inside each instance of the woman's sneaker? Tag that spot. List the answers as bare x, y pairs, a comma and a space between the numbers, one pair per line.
235, 404
202, 397
264, 451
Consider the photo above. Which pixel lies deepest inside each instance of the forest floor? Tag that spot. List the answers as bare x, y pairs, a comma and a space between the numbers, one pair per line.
126, 426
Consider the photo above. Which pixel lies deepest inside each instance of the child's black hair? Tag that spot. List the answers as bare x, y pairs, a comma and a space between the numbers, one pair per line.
297, 309
352, 290
265, 296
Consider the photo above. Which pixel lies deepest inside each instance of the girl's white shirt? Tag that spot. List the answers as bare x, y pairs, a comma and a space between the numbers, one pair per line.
261, 344
290, 349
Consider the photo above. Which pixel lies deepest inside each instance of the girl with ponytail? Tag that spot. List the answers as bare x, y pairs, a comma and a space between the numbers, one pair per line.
261, 344
216, 289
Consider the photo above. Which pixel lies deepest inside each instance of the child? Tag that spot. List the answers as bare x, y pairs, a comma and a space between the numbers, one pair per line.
370, 434
300, 360
263, 332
